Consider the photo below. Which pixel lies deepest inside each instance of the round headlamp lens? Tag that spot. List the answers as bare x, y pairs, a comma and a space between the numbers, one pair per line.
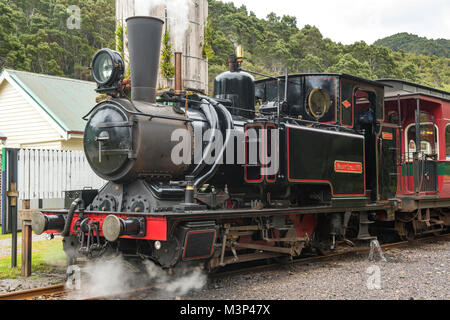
103, 67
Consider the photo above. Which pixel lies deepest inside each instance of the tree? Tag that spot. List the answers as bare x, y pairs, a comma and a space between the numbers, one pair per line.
311, 64
349, 65
167, 67
34, 35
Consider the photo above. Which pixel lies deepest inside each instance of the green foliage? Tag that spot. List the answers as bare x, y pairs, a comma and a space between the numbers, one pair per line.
274, 43
166, 65
348, 64
119, 39
34, 35
208, 51
414, 44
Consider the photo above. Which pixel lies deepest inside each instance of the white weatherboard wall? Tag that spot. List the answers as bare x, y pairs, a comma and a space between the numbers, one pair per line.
46, 174
21, 122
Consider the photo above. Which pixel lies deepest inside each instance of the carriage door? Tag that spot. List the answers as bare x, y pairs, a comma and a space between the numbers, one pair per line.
425, 157
387, 149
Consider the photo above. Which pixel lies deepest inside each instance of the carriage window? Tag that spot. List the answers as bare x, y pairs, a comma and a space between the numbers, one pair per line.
447, 142
428, 140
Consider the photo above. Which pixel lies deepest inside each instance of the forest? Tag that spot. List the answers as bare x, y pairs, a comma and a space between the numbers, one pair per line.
34, 36
274, 43
419, 45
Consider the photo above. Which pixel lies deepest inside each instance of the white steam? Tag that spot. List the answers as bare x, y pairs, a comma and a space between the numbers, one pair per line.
144, 7
115, 276
104, 277
177, 16
186, 279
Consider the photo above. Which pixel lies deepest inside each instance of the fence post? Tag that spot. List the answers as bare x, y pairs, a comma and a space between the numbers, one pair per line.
3, 192
26, 214
13, 195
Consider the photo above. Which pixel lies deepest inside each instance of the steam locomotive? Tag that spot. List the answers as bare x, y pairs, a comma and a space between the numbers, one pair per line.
265, 169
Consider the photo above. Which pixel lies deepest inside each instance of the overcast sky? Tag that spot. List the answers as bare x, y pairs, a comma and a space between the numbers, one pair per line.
348, 21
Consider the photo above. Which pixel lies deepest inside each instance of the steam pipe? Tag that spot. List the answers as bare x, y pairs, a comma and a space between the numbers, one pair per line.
229, 127
75, 204
210, 112
178, 73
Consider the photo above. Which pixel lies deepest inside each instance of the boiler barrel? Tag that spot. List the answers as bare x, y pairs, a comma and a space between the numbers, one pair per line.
121, 146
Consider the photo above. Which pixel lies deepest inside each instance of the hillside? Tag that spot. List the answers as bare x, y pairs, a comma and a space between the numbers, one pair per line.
274, 43
41, 36
418, 45
34, 37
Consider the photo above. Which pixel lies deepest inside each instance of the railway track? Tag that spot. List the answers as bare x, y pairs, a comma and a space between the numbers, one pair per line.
51, 291
57, 292
339, 253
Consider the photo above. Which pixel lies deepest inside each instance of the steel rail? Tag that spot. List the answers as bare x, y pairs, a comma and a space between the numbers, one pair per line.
34, 293
124, 294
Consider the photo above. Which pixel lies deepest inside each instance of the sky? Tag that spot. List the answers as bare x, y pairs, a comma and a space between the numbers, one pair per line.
348, 21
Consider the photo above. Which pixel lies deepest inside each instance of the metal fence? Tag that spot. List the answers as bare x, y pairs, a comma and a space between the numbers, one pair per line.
42, 175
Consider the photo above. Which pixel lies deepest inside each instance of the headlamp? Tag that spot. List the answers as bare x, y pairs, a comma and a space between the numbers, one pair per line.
107, 69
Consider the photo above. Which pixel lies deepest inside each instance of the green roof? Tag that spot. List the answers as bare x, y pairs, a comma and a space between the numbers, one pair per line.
65, 100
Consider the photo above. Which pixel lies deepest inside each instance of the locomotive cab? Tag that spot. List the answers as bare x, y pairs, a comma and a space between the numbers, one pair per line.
345, 113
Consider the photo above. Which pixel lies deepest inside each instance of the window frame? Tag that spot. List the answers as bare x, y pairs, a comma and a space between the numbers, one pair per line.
406, 152
447, 157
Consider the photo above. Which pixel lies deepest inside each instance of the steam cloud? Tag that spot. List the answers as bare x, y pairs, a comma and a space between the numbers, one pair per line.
115, 275
177, 14
185, 279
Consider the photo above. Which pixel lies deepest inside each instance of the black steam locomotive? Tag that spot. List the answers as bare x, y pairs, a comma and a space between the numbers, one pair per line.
264, 169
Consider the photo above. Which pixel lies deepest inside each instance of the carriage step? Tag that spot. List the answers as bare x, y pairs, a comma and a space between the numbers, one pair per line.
364, 222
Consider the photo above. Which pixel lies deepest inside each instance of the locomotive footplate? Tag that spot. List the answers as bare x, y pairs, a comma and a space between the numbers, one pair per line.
169, 238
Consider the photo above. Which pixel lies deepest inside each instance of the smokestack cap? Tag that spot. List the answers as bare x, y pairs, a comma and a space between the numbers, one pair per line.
144, 17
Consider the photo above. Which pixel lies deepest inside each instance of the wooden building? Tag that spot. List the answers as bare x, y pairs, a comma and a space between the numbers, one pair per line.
42, 116
43, 112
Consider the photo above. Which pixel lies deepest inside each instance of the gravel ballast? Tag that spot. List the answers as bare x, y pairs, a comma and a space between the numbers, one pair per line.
416, 271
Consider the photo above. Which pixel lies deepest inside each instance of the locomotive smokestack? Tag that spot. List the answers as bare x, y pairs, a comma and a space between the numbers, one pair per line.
144, 46
178, 74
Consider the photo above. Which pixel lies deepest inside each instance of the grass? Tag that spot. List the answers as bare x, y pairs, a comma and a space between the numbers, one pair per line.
47, 256
8, 236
